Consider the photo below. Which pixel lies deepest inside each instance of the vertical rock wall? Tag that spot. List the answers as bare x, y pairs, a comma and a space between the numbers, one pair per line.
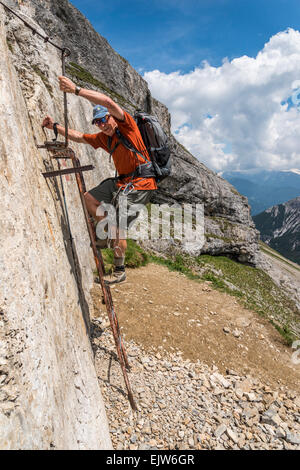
49, 392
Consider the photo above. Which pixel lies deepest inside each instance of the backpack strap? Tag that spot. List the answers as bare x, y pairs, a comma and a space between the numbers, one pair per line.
129, 145
156, 171
144, 170
111, 151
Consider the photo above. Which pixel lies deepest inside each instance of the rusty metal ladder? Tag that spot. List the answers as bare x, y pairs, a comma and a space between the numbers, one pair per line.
67, 153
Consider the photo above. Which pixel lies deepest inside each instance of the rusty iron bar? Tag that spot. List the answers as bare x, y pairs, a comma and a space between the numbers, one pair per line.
67, 171
69, 153
52, 146
64, 54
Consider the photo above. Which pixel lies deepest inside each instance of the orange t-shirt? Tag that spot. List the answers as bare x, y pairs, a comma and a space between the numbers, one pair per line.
125, 161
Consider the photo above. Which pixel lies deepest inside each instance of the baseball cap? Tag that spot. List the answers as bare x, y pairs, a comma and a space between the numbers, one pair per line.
99, 112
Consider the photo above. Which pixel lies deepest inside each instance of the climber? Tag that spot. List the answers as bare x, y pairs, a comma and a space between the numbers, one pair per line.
111, 120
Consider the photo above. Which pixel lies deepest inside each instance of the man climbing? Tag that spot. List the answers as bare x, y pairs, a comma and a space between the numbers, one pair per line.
130, 157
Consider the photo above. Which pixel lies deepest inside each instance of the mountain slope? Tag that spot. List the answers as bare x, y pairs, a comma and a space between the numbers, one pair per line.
272, 290
279, 227
265, 188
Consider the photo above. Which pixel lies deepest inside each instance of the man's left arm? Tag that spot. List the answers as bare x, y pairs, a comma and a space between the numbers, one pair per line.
95, 97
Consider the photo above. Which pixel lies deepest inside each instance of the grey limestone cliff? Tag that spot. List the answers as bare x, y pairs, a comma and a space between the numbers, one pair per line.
49, 391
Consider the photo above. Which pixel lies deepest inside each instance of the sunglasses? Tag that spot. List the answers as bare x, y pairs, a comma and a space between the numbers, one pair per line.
101, 120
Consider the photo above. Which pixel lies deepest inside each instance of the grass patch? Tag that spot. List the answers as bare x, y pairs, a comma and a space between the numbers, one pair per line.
285, 332
9, 45
224, 224
135, 255
177, 264
234, 191
217, 283
208, 236
44, 79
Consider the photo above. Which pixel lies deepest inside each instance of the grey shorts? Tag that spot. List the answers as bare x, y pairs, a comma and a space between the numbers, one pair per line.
107, 190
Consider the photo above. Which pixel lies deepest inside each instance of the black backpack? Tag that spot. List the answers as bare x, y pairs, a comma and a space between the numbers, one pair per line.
156, 143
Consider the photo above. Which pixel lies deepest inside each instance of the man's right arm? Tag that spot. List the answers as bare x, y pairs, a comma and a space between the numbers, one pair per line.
73, 135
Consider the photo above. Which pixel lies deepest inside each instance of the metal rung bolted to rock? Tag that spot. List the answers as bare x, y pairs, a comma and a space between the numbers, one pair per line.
52, 146
67, 171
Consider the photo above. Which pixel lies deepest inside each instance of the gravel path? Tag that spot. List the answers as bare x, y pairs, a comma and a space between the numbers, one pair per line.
188, 405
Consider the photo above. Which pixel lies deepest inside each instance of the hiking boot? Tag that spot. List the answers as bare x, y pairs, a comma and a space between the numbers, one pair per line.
116, 277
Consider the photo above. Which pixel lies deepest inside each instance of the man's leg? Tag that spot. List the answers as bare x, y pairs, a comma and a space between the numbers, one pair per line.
118, 274
92, 205
119, 244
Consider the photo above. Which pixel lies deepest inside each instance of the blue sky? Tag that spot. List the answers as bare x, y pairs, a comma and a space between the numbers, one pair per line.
228, 71
180, 34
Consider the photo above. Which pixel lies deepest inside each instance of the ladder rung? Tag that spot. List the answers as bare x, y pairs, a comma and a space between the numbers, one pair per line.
57, 145
68, 171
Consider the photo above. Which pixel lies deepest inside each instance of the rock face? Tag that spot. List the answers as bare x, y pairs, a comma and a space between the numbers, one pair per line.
49, 392
229, 229
279, 227
49, 396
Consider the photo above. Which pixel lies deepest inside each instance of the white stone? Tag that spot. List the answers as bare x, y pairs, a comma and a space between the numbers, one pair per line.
220, 430
293, 438
216, 377
232, 435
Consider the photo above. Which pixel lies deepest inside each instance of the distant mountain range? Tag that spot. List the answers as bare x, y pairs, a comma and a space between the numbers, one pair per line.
265, 188
279, 227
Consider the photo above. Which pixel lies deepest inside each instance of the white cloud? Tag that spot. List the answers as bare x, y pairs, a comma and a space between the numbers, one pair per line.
232, 116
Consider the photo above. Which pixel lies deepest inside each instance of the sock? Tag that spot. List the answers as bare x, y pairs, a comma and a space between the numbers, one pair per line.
119, 263
119, 269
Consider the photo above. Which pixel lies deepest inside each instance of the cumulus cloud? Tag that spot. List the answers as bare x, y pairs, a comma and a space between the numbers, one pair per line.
242, 114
